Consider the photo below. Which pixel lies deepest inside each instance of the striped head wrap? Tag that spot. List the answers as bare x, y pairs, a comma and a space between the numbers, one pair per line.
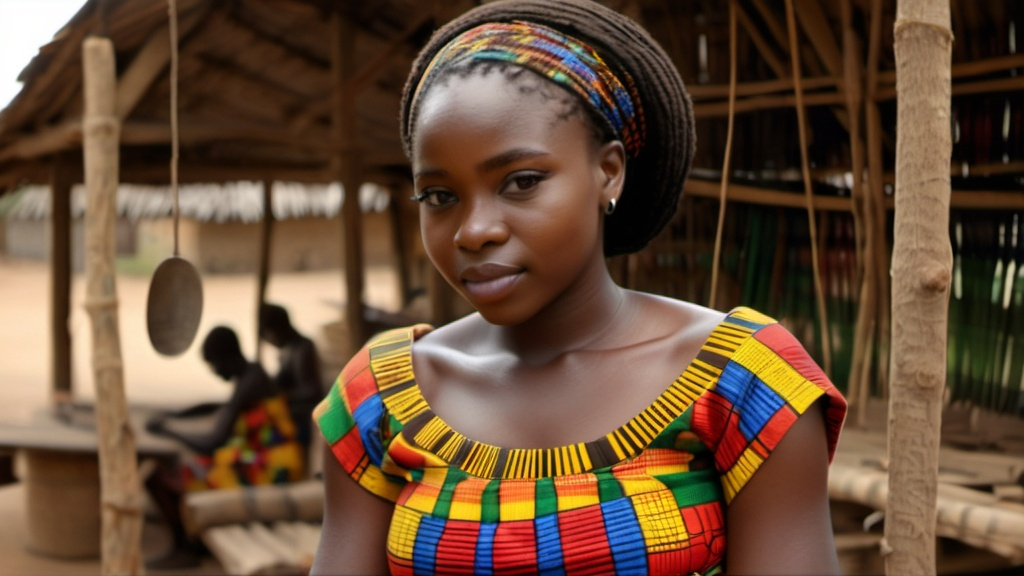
563, 59
663, 115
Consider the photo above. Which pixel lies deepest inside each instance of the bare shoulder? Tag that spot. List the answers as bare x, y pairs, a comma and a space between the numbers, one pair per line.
685, 322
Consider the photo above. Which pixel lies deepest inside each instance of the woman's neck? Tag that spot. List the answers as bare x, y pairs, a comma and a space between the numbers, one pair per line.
581, 319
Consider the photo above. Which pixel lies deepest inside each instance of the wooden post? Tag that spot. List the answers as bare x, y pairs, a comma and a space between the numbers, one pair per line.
922, 266
120, 494
267, 232
812, 224
60, 281
346, 165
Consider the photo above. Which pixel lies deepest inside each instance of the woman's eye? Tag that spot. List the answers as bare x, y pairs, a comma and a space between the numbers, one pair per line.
524, 181
434, 198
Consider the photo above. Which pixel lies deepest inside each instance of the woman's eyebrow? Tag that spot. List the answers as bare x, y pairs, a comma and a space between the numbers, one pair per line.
508, 157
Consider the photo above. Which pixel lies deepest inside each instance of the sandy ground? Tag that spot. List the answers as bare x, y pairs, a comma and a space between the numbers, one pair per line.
312, 298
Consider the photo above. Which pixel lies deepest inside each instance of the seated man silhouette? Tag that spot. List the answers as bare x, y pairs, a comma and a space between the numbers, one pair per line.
299, 374
252, 442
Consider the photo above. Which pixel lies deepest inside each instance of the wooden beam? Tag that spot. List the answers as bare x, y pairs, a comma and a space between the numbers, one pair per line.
968, 69
262, 278
816, 26
712, 91
149, 64
764, 196
765, 50
44, 142
708, 110
999, 85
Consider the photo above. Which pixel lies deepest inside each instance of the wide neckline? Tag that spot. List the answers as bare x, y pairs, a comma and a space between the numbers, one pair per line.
392, 365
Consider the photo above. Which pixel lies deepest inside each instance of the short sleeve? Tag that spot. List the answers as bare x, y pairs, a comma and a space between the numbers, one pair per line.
766, 383
355, 423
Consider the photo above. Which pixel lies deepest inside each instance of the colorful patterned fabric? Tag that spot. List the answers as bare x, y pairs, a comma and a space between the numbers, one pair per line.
647, 498
262, 450
565, 60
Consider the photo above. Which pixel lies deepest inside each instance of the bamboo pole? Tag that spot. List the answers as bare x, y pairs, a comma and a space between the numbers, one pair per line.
922, 268
812, 226
120, 488
857, 386
722, 199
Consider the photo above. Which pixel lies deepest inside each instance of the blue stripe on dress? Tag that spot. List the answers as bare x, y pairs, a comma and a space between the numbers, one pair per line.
549, 546
625, 538
424, 549
751, 398
484, 561
368, 416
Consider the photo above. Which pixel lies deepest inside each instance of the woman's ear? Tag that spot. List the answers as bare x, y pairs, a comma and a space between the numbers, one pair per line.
611, 160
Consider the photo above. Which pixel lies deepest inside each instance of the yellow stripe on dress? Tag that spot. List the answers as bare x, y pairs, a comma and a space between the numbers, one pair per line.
736, 478
576, 491
405, 524
481, 460
660, 522
774, 371
467, 499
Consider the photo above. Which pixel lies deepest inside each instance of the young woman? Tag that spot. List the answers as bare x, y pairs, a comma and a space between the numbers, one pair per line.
569, 425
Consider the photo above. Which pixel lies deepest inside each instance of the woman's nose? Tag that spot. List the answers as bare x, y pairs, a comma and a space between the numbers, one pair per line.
482, 224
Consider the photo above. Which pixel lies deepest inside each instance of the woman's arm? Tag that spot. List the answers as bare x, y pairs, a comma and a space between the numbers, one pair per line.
780, 523
355, 528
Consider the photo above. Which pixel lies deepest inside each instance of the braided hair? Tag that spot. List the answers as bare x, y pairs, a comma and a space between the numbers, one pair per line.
656, 173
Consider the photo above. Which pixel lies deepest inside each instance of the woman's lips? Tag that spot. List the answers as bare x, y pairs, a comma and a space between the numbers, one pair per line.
489, 282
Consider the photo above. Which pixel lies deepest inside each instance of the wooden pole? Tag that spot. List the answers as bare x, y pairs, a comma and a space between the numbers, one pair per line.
266, 236
120, 495
722, 197
853, 85
922, 267
346, 163
812, 224
60, 281
877, 203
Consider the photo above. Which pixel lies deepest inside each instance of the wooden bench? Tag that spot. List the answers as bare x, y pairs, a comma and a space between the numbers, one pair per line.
264, 530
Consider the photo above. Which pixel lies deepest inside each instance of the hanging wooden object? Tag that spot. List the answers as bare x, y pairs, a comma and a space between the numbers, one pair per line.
175, 301
120, 493
921, 271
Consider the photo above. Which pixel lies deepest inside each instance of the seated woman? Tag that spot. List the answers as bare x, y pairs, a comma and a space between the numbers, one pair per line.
252, 442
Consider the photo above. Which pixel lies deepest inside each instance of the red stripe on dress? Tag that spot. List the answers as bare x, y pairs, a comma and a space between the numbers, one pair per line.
585, 548
515, 548
776, 427
455, 552
350, 452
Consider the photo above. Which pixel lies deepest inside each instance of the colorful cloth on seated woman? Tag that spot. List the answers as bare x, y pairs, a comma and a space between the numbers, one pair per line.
647, 498
262, 450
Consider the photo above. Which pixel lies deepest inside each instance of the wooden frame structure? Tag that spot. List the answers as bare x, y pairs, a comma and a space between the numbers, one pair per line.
307, 90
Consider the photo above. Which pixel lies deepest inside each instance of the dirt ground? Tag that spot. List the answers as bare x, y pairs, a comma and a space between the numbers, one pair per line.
313, 299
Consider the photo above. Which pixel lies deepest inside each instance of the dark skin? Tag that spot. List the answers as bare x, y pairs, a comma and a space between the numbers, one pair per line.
251, 385
526, 191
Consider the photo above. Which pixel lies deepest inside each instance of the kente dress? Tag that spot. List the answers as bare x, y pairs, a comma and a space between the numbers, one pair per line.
262, 449
647, 498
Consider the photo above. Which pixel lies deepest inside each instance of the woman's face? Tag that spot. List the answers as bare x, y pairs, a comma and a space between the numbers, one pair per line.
512, 188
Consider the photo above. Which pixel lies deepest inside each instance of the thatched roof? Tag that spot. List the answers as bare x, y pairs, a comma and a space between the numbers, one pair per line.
227, 202
257, 91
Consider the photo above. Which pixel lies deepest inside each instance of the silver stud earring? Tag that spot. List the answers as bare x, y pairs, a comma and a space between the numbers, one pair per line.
610, 208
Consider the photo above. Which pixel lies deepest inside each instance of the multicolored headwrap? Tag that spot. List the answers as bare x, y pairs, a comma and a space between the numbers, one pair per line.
565, 60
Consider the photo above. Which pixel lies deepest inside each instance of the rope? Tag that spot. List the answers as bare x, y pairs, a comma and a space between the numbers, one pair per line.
172, 22
826, 345
715, 260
